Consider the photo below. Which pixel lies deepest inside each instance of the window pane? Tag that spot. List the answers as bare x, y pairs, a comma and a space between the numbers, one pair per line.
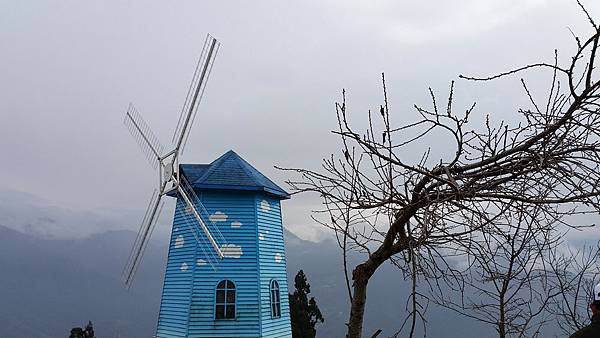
220, 312
231, 296
221, 285
276, 310
230, 285
230, 311
220, 296
273, 310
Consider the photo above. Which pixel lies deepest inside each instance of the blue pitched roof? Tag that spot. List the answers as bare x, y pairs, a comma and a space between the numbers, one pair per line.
230, 171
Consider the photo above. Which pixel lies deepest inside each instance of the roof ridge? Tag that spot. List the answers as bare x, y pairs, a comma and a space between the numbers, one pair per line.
249, 167
231, 171
212, 165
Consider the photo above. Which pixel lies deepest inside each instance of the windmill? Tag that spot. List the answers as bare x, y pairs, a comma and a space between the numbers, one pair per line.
227, 214
170, 179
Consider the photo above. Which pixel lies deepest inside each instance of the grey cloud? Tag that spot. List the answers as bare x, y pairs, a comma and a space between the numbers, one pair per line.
68, 70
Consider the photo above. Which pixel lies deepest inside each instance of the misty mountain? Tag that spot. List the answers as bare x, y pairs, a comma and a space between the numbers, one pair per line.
48, 286
386, 300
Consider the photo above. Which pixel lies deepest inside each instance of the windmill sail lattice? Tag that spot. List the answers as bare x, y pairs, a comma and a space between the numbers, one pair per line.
145, 138
195, 92
141, 241
205, 229
206, 233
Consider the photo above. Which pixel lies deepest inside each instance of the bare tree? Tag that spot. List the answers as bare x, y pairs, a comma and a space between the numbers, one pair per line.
399, 207
506, 282
574, 273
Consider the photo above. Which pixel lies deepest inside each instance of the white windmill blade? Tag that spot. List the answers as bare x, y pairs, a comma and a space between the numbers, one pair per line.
140, 232
201, 210
201, 222
196, 207
142, 237
145, 232
138, 250
208, 254
195, 92
145, 138
190, 91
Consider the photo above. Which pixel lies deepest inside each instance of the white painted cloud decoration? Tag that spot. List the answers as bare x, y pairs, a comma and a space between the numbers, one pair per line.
179, 242
218, 216
264, 205
231, 251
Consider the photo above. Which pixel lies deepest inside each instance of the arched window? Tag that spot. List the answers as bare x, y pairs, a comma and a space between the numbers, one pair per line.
225, 300
275, 300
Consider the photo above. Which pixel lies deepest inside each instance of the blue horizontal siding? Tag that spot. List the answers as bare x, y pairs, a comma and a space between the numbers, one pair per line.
188, 299
272, 266
175, 303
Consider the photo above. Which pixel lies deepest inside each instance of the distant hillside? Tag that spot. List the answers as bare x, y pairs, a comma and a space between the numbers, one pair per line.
53, 285
386, 300
48, 286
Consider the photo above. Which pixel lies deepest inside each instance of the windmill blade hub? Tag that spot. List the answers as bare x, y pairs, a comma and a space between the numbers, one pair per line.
168, 172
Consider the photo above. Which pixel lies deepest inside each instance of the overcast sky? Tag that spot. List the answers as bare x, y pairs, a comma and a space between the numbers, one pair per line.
68, 70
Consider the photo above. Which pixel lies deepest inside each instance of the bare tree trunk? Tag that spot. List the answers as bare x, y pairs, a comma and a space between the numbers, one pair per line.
501, 324
359, 299
360, 276
502, 319
364, 271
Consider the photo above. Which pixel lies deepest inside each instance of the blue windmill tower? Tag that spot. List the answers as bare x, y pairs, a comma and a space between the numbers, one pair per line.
226, 268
